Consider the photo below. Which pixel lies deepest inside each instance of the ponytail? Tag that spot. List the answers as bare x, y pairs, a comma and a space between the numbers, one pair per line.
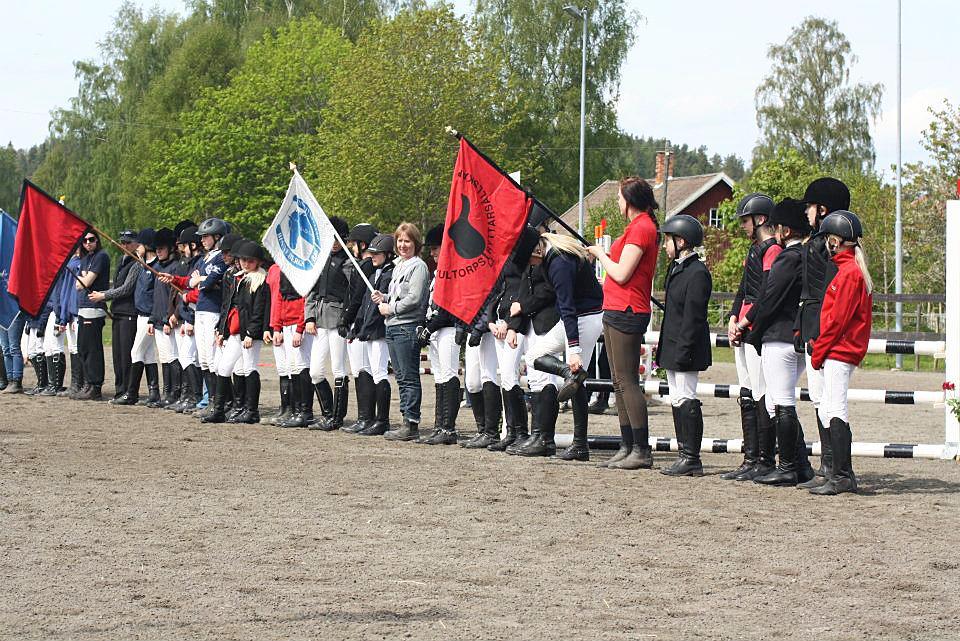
861, 258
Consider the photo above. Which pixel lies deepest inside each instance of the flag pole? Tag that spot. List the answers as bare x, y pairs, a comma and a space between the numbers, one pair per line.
293, 168
573, 232
132, 255
77, 278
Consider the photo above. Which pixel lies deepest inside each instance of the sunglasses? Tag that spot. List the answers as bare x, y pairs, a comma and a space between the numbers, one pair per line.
90, 240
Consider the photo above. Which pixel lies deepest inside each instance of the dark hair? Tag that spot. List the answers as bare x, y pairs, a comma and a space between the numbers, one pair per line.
83, 247
639, 194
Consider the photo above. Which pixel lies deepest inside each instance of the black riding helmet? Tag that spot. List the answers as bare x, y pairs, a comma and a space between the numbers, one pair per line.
791, 213
434, 237
188, 235
686, 227
526, 243
165, 237
829, 192
248, 249
213, 227
844, 224
382, 244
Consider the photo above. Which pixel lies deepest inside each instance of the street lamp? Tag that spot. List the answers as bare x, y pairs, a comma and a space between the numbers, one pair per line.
581, 14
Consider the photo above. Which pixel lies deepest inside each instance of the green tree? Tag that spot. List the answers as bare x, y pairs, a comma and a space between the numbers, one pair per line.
10, 179
381, 154
230, 156
538, 48
808, 103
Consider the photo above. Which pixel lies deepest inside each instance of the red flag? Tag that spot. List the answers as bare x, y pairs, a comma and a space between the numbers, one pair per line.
47, 235
485, 215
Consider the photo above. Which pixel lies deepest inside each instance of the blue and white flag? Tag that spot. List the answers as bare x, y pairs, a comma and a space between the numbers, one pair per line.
300, 237
8, 234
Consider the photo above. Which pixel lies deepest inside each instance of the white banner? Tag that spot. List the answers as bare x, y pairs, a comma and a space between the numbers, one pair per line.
300, 237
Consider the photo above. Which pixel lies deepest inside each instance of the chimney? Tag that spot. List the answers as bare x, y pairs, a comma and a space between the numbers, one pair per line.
658, 177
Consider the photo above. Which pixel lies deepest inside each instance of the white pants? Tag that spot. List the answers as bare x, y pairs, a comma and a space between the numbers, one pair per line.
71, 335
836, 383
237, 359
144, 348
204, 330
782, 367
328, 344
357, 354
749, 370
280, 361
378, 357
186, 348
537, 380
444, 354
480, 364
295, 359
554, 343
683, 386
166, 345
509, 360
52, 342
815, 383
34, 343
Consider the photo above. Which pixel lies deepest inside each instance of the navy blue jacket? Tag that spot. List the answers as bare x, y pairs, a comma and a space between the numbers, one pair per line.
212, 267
143, 291
163, 295
186, 312
369, 324
578, 292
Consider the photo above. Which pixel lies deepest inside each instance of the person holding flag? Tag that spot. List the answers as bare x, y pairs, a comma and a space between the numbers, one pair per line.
94, 277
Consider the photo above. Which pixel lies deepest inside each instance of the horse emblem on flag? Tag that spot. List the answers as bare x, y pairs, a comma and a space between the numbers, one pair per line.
299, 244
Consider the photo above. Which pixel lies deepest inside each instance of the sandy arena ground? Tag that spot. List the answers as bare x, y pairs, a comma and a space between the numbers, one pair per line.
129, 523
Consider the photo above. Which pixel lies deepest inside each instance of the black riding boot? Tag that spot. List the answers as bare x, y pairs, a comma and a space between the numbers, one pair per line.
210, 384
546, 419
3, 375
285, 408
842, 479
166, 384
691, 421
366, 402
293, 411
600, 405
194, 389
492, 413
766, 444
302, 397
219, 402
239, 399
578, 450
176, 385
787, 425
132, 394
534, 426
56, 371
804, 469
572, 381
76, 377
251, 399
451, 399
439, 414
325, 400
751, 443
153, 385
516, 419
826, 459
40, 369
479, 416
381, 422
182, 390
678, 431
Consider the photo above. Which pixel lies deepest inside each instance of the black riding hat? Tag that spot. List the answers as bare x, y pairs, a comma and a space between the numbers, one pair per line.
363, 233
829, 192
526, 243
248, 249
684, 226
791, 213
434, 237
381, 244
844, 224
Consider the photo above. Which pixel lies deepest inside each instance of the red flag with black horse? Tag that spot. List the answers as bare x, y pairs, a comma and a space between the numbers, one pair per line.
47, 235
486, 213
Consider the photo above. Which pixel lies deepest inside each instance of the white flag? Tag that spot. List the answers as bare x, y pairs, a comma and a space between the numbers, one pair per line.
300, 237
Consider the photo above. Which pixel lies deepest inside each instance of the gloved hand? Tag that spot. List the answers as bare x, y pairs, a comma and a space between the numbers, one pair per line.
460, 336
423, 336
343, 330
798, 344
475, 336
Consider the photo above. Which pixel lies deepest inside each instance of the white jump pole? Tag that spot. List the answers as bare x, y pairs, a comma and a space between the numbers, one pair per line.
951, 447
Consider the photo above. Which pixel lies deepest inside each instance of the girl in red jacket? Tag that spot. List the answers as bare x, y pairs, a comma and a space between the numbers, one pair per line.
845, 320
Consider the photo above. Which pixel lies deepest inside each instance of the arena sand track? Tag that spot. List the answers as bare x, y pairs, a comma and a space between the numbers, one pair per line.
128, 523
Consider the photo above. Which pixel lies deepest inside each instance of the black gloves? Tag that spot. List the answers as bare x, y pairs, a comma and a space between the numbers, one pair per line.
475, 336
423, 336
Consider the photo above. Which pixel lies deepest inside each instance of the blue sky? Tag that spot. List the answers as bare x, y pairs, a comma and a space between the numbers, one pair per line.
689, 77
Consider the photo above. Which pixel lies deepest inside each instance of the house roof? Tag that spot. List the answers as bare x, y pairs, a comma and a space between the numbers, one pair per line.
682, 191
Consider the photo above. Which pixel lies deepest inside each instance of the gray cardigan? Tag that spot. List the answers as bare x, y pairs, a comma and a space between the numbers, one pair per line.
409, 292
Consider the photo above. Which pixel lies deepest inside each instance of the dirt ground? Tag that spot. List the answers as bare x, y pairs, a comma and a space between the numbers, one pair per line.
129, 523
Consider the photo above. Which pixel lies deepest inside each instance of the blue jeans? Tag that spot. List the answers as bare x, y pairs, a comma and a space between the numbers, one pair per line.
405, 358
10, 343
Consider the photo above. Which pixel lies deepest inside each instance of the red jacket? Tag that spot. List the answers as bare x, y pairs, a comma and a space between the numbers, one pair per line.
283, 312
846, 315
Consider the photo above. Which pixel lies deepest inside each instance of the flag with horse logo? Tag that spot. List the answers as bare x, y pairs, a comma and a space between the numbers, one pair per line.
300, 237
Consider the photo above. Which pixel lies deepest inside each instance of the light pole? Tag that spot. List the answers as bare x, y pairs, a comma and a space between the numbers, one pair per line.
898, 223
581, 14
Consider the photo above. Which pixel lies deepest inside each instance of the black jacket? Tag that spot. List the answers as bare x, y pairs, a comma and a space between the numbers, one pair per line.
538, 303
332, 287
438, 317
773, 315
357, 291
684, 344
164, 296
251, 306
505, 293
753, 278
185, 312
369, 324
818, 270
123, 305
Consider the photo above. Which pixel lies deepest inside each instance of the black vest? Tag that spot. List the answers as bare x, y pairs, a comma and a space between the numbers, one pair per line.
123, 305
818, 270
332, 284
753, 270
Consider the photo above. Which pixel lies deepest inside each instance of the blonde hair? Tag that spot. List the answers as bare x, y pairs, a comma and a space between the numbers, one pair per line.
834, 242
566, 245
412, 233
255, 279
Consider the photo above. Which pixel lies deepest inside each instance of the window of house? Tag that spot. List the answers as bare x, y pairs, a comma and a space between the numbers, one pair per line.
714, 219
